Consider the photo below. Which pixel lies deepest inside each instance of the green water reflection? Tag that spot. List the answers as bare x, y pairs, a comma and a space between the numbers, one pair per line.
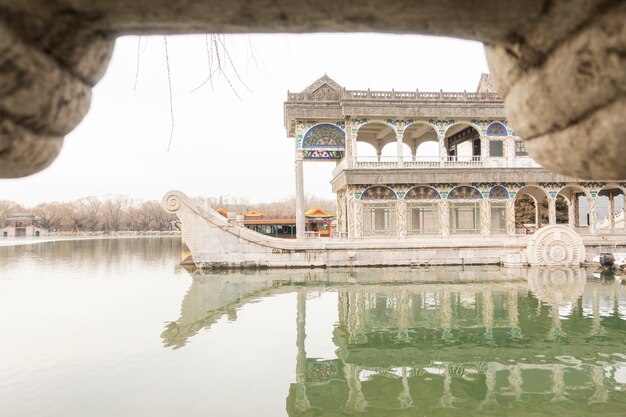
115, 327
483, 341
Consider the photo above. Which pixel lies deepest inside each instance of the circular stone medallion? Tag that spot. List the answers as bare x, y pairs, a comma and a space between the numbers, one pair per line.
555, 245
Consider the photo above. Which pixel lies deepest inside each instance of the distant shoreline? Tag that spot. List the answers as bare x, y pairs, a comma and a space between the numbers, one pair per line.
121, 233
63, 236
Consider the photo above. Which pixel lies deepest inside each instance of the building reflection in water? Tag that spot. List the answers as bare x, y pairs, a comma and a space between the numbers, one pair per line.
442, 341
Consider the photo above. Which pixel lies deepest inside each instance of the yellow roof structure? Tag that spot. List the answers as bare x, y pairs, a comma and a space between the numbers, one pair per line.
253, 213
318, 213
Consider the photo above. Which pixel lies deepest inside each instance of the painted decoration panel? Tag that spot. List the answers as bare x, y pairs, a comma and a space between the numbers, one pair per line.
324, 136
496, 129
421, 193
465, 192
321, 154
378, 193
498, 193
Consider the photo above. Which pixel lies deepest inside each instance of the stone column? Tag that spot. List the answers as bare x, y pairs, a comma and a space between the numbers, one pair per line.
358, 219
513, 314
510, 216
338, 214
516, 381
611, 210
351, 322
490, 383
558, 383
350, 146
484, 147
443, 154
485, 217
593, 217
447, 399
360, 317
537, 213
342, 307
487, 313
576, 211
302, 401
444, 221
405, 395
301, 335
299, 197
341, 211
400, 148
445, 314
401, 218
510, 151
350, 212
571, 213
402, 313
596, 320
551, 211
601, 392
356, 402
556, 331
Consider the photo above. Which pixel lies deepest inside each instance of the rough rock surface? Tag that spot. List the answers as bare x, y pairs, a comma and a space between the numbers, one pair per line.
559, 64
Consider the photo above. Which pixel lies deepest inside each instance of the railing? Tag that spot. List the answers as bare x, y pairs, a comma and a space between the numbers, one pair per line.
338, 235
521, 229
387, 162
311, 235
397, 95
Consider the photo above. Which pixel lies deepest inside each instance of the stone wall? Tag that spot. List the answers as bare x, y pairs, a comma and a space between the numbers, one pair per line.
558, 65
216, 243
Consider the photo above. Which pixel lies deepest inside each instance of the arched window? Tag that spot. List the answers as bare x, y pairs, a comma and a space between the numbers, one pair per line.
464, 215
324, 136
379, 193
422, 193
496, 129
464, 192
498, 193
422, 216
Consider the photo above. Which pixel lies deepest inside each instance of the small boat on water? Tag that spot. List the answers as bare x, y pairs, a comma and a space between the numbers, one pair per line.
610, 260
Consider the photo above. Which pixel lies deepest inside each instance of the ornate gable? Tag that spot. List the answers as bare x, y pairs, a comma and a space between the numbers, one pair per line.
325, 88
485, 85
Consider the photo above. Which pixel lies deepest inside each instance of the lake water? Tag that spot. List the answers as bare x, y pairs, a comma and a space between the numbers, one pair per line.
115, 327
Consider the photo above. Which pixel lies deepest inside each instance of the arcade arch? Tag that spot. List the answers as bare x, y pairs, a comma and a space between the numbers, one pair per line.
610, 207
391, 150
581, 205
422, 140
463, 142
530, 198
376, 134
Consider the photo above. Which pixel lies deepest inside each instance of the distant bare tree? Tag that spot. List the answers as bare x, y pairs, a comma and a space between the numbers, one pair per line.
114, 210
121, 213
50, 215
92, 210
7, 207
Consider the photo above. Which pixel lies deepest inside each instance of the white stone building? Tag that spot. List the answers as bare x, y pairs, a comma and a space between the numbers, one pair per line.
440, 163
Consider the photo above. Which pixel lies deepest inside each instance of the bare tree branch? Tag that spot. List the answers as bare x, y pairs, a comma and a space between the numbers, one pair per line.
169, 84
232, 64
214, 44
137, 70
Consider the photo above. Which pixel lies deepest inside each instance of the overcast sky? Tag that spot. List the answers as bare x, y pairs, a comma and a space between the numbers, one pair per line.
223, 145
